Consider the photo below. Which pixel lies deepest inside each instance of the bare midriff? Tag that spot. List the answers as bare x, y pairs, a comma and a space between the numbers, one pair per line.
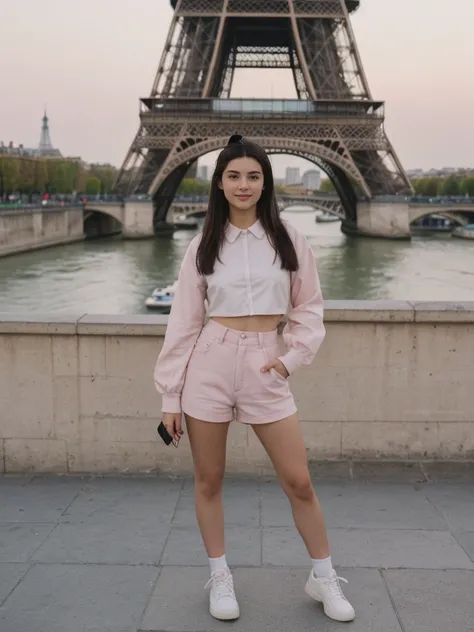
259, 323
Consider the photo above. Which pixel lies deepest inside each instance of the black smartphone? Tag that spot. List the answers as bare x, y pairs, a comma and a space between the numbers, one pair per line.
165, 435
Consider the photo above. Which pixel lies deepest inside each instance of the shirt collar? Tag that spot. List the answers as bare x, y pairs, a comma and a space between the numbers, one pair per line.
232, 232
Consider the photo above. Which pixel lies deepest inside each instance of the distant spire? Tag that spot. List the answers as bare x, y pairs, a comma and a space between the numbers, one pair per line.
45, 145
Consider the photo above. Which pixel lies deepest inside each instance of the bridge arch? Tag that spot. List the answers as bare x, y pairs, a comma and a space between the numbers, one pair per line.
456, 215
112, 210
314, 206
331, 157
102, 221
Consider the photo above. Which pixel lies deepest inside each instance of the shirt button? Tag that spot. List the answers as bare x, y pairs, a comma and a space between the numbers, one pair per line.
243, 336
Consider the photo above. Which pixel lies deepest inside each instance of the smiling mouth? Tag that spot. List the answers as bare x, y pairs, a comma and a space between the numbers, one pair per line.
243, 197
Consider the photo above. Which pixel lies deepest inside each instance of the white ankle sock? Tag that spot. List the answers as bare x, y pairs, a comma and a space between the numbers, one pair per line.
218, 563
323, 568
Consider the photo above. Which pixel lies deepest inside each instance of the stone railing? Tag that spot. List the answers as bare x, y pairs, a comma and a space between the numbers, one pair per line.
392, 381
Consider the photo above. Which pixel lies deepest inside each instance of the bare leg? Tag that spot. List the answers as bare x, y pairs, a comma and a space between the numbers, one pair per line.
208, 446
284, 445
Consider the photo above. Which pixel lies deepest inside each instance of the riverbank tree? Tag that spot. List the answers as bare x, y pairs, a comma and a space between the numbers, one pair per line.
27, 176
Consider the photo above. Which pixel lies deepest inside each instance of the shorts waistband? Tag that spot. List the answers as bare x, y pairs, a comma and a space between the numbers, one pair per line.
233, 336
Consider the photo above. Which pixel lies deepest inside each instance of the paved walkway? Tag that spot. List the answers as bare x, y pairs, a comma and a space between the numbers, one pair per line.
124, 554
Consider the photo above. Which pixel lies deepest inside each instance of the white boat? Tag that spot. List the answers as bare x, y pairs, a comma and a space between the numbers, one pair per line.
162, 298
327, 217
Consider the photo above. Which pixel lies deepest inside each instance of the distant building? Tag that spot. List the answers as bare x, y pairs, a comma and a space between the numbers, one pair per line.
11, 150
312, 180
203, 173
191, 173
44, 150
292, 176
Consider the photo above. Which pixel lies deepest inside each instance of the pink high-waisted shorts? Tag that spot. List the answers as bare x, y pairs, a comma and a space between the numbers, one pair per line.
224, 382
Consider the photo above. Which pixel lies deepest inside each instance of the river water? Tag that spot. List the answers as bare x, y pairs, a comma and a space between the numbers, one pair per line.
111, 276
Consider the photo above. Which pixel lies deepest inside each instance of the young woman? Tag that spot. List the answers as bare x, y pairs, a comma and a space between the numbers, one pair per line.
252, 268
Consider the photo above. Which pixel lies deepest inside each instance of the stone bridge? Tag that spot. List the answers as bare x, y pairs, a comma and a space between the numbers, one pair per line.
378, 217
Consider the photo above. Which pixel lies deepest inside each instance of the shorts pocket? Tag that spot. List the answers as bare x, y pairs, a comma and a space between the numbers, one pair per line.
278, 375
273, 372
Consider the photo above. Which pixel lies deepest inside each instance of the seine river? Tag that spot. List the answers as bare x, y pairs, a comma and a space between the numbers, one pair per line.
111, 276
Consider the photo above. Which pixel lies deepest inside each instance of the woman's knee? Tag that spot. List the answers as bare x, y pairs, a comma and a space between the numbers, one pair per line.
209, 483
299, 487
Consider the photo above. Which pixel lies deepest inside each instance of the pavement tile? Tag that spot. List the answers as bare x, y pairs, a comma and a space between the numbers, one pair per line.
433, 600
442, 471
125, 499
270, 599
10, 575
466, 540
107, 542
19, 540
78, 598
378, 548
37, 499
358, 505
383, 471
454, 502
185, 547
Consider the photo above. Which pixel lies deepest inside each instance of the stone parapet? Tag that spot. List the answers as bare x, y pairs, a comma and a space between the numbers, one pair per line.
392, 381
22, 231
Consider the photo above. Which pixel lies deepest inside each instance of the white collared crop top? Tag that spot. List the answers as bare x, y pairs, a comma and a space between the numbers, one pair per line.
248, 280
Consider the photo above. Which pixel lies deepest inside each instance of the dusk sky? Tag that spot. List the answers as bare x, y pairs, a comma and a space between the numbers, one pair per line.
90, 61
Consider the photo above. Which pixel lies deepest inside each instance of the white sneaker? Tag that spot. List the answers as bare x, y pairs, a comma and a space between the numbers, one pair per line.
222, 602
328, 591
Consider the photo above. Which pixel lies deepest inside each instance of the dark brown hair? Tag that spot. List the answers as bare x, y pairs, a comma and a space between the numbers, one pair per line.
217, 214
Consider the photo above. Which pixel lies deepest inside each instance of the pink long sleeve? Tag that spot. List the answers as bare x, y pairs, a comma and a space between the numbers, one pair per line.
184, 326
304, 332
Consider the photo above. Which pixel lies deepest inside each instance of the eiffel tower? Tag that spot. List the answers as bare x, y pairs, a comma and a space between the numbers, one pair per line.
334, 122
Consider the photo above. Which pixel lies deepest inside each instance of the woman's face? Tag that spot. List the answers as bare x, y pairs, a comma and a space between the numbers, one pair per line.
242, 183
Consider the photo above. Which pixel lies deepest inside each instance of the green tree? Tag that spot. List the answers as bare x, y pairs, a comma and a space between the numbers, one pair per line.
93, 186
451, 186
327, 186
429, 187
59, 182
107, 179
467, 186
10, 174
106, 175
41, 176
190, 186
27, 175
80, 178
418, 185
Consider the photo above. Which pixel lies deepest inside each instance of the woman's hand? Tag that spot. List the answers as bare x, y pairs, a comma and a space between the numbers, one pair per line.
172, 422
278, 366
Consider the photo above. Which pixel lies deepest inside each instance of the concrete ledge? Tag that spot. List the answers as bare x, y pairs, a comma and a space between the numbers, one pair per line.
369, 311
155, 325
392, 382
38, 324
122, 325
444, 312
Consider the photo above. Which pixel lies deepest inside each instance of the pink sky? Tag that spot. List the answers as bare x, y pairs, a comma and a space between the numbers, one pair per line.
90, 61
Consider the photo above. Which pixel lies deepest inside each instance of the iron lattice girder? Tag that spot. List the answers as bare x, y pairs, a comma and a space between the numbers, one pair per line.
354, 136
267, 8
332, 63
351, 5
262, 57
